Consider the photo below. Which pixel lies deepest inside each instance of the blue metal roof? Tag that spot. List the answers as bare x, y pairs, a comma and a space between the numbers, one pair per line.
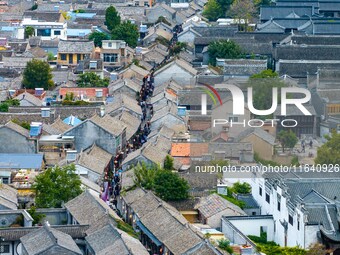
72, 121
148, 233
5, 28
20, 161
78, 32
35, 130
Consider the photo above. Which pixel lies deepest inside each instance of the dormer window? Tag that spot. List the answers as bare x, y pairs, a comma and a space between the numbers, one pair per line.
93, 64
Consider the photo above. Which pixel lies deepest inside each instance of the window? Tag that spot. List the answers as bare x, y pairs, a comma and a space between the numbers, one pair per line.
111, 58
45, 112
298, 225
93, 64
253, 213
267, 198
290, 219
63, 57
233, 119
44, 32
57, 32
4, 248
109, 45
260, 191
278, 202
298, 222
99, 93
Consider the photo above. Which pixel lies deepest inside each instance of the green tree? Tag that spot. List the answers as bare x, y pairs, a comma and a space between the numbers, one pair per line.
4, 107
317, 249
170, 186
225, 5
37, 74
259, 3
29, 31
89, 79
65, 15
177, 48
34, 7
223, 49
112, 18
37, 217
329, 152
287, 139
224, 244
212, 10
262, 85
97, 38
56, 185
169, 163
241, 188
242, 10
50, 56
163, 20
144, 175
127, 32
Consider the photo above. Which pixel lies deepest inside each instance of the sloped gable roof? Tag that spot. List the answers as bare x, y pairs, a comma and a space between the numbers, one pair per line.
30, 98
45, 238
108, 123
15, 127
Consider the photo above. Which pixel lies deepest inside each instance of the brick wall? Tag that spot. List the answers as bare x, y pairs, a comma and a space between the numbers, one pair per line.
33, 114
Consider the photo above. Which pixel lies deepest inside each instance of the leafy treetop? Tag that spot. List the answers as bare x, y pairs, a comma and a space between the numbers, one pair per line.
165, 183
127, 32
97, 38
262, 85
223, 49
56, 186
37, 74
112, 18
329, 152
287, 138
89, 79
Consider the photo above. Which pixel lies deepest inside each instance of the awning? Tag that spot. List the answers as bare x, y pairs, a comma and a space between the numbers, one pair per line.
148, 233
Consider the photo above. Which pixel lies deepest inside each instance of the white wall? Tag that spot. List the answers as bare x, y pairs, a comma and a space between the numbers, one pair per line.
252, 226
295, 237
175, 72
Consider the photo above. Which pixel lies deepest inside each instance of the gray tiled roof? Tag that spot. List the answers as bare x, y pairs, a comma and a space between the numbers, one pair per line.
268, 12
249, 200
308, 52
258, 132
47, 16
110, 124
107, 238
8, 197
132, 123
47, 237
76, 47
292, 110
15, 127
85, 209
213, 204
14, 234
165, 222
95, 159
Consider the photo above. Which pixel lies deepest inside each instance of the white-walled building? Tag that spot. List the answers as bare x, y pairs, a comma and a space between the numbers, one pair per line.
305, 210
47, 30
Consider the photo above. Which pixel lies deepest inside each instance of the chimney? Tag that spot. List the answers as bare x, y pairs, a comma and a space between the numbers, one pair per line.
45, 112
102, 111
